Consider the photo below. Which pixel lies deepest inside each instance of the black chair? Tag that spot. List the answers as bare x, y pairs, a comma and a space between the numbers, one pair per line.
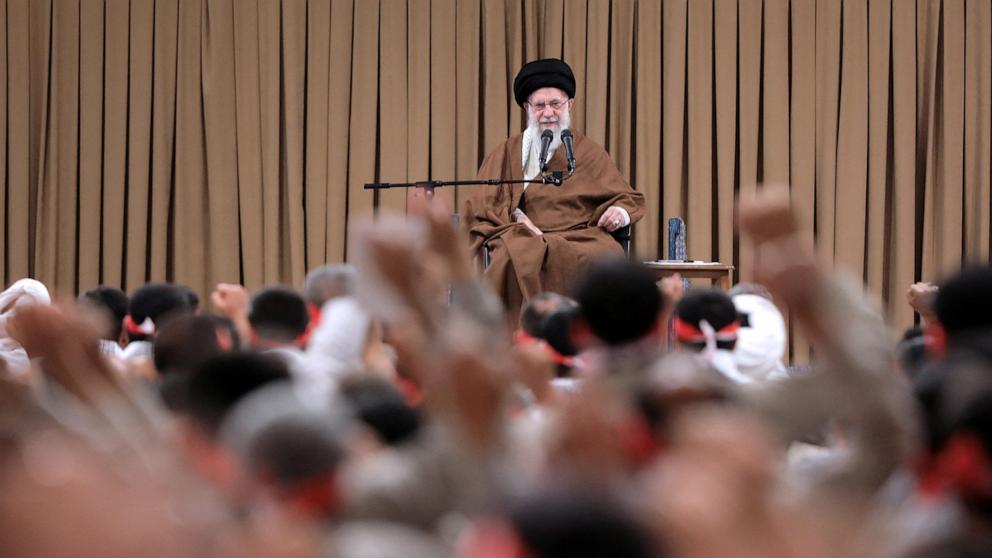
623, 235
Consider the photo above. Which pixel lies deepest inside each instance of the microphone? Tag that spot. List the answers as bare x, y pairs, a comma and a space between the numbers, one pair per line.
566, 140
546, 139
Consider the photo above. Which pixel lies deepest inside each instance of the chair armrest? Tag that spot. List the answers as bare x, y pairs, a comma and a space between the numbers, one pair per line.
623, 236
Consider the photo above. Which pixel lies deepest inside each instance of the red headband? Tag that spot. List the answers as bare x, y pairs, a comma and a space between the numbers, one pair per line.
146, 327
688, 333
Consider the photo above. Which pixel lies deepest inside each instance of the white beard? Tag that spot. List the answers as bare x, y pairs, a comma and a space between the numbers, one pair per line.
532, 142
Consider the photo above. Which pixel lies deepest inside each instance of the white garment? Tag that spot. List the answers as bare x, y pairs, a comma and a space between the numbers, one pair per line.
111, 349
293, 358
761, 345
723, 361
338, 342
138, 350
23, 293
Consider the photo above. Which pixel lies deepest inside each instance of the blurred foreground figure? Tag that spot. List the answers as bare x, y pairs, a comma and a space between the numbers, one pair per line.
22, 294
642, 453
88, 467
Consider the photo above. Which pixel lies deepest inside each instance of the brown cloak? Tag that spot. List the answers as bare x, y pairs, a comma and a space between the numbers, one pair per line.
524, 264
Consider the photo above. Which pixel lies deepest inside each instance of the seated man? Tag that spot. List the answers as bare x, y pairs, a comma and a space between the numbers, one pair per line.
542, 235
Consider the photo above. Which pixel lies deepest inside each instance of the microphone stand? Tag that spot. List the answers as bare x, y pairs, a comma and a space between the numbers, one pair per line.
428, 186
555, 178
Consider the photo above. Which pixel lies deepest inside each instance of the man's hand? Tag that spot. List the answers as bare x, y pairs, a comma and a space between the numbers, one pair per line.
784, 260
231, 301
922, 297
613, 218
767, 214
69, 349
672, 289
444, 240
521, 217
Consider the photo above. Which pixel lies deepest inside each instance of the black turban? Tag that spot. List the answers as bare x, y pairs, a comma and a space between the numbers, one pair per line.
549, 72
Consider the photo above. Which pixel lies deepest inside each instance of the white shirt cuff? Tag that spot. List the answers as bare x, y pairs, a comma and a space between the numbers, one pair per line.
626, 216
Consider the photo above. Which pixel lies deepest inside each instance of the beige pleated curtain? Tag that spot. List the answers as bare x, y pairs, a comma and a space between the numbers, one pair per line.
203, 141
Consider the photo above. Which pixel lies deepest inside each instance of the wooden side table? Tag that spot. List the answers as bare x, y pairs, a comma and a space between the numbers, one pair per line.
722, 275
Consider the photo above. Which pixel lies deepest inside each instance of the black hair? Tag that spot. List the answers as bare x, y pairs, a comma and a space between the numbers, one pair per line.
955, 398
620, 300
160, 302
218, 383
192, 299
377, 403
556, 330
284, 441
115, 301
964, 302
911, 352
536, 309
183, 345
565, 524
296, 448
278, 313
711, 305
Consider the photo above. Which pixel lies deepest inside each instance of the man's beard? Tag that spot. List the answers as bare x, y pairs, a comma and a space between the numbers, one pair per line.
536, 126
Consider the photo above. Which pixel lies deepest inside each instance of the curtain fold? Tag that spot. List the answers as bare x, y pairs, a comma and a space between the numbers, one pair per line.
229, 140
3, 134
647, 126
978, 130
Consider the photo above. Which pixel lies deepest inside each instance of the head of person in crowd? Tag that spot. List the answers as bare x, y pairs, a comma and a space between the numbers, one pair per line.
288, 450
620, 304
964, 310
278, 317
955, 396
548, 317
109, 306
561, 523
761, 340
911, 352
556, 330
381, 406
192, 299
704, 318
183, 345
328, 282
152, 306
534, 312
678, 382
212, 390
706, 322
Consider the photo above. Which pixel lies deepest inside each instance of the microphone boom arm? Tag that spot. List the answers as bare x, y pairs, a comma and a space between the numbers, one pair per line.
554, 178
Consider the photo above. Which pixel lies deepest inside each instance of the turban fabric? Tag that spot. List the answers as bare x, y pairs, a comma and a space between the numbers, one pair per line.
549, 72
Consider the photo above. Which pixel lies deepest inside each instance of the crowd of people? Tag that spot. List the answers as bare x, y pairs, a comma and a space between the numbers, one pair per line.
389, 408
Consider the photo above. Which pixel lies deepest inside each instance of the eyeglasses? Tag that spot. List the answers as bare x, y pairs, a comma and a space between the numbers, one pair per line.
555, 105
